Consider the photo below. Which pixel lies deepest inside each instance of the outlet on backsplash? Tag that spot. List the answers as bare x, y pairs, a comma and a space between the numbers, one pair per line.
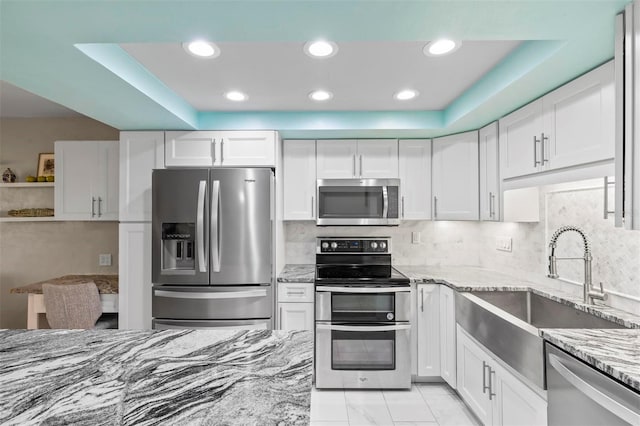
415, 237
503, 243
104, 259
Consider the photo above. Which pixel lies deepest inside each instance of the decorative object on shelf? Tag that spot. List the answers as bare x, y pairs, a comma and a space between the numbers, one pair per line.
31, 179
46, 165
8, 176
51, 178
41, 212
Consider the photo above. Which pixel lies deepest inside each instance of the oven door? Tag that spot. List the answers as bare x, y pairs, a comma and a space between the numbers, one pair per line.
363, 356
336, 303
358, 202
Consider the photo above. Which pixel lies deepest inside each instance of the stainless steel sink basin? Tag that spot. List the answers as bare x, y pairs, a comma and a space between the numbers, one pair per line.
508, 323
541, 312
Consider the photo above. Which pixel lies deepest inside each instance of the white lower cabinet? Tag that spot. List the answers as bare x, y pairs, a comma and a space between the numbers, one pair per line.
134, 276
428, 325
295, 306
448, 335
495, 395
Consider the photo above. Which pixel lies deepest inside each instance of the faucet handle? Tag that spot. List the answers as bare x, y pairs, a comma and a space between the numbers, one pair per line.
601, 295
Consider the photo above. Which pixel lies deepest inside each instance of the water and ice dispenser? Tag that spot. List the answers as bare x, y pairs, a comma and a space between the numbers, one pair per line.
178, 247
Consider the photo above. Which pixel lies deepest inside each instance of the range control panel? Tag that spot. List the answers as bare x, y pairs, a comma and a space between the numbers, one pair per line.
353, 245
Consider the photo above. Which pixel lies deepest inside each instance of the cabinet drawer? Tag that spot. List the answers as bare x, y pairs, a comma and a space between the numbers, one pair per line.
295, 292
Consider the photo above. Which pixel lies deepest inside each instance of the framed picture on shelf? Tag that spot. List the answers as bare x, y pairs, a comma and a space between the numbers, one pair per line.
46, 164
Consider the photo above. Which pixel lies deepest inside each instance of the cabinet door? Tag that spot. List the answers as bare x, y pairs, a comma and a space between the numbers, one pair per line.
515, 403
299, 179
134, 275
455, 177
471, 366
489, 180
579, 120
295, 316
520, 144
248, 148
75, 173
448, 336
106, 186
378, 158
428, 330
192, 149
336, 158
140, 153
415, 178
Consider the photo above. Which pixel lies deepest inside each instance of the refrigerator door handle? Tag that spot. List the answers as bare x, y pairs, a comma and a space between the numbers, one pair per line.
200, 240
215, 226
211, 295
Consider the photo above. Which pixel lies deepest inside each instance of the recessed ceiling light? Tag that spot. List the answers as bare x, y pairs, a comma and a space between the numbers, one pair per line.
236, 96
320, 95
321, 49
441, 47
405, 95
202, 49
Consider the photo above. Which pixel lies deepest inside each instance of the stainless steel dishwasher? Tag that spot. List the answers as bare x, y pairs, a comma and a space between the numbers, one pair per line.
578, 394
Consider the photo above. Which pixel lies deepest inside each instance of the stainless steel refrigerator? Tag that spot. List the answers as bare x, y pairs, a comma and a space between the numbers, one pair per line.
212, 248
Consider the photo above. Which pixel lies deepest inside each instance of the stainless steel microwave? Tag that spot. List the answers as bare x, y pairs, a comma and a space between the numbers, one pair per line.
358, 202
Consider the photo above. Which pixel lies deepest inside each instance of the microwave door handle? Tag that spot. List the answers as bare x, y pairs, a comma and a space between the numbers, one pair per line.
363, 289
385, 202
215, 227
200, 240
333, 327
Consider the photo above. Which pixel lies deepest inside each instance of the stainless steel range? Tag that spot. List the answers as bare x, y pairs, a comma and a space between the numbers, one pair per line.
362, 315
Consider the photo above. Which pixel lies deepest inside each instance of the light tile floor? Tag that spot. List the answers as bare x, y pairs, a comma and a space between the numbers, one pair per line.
425, 404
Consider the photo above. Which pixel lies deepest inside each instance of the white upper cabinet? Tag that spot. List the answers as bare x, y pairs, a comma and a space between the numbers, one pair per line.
140, 153
299, 179
349, 158
455, 177
378, 158
520, 144
86, 180
415, 179
220, 148
573, 125
489, 179
579, 120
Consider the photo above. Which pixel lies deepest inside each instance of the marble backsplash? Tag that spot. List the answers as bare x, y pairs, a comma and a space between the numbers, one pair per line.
616, 252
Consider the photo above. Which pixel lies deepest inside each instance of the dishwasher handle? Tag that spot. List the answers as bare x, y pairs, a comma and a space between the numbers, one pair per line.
600, 398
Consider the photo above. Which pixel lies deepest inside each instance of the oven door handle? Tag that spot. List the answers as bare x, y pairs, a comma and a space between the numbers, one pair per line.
363, 327
364, 289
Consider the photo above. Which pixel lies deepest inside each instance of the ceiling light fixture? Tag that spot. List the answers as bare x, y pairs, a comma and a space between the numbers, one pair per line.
405, 95
202, 49
321, 49
236, 96
320, 95
441, 47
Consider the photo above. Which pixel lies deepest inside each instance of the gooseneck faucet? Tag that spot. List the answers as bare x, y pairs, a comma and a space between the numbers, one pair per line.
589, 295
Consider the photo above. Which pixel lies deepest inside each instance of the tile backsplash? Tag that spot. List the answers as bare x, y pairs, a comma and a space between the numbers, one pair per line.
616, 252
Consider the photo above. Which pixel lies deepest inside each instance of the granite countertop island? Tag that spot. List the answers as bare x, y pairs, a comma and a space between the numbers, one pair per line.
150, 377
107, 284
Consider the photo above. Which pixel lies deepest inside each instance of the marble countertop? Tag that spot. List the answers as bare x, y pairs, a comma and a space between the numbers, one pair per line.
149, 377
615, 352
305, 273
107, 284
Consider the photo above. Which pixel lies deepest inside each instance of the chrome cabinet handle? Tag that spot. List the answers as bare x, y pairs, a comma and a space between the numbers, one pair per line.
543, 139
491, 392
312, 207
213, 145
280, 317
492, 211
215, 227
363, 327
200, 240
535, 152
435, 207
607, 212
93, 206
354, 165
361, 166
597, 396
403, 206
221, 151
295, 293
99, 206
484, 377
422, 300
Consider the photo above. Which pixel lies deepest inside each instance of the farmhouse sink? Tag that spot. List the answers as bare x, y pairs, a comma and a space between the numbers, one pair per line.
508, 324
